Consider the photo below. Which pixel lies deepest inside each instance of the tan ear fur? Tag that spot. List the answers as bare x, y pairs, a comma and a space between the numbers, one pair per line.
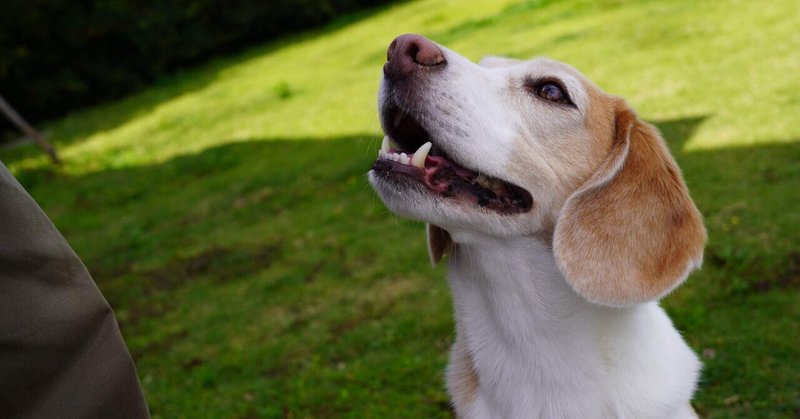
630, 233
439, 243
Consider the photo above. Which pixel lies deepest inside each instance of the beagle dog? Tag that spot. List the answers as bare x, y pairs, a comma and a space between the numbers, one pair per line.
564, 218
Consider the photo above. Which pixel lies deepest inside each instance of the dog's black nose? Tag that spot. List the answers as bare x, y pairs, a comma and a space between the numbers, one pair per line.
409, 53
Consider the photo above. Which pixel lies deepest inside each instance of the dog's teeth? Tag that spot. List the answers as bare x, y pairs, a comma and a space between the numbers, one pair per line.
384, 146
398, 117
404, 158
420, 155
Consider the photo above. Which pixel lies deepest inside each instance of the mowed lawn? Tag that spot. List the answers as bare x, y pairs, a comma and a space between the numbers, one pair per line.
226, 216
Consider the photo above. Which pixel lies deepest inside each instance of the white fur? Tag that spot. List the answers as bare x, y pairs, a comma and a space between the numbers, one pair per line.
539, 350
542, 351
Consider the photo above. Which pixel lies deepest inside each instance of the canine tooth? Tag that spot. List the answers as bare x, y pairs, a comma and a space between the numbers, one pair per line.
481, 180
384, 146
420, 155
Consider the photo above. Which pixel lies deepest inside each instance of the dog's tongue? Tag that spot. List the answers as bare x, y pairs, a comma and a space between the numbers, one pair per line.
439, 162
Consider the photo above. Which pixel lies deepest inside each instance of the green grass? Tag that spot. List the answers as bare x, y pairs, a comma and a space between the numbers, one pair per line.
225, 214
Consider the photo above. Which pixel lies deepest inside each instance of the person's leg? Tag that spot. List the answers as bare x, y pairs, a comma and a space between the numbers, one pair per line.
61, 352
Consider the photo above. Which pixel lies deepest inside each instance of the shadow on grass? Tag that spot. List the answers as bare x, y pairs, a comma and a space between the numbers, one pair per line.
159, 223
298, 211
169, 204
744, 193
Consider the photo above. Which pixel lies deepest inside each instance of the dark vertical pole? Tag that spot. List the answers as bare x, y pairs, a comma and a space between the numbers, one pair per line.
26, 128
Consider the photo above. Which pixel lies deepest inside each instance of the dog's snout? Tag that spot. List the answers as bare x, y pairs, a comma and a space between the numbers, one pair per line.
409, 53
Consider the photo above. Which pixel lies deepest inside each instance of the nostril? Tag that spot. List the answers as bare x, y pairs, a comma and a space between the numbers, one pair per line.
420, 50
410, 53
428, 54
413, 51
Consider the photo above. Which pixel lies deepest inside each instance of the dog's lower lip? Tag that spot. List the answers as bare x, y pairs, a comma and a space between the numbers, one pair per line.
446, 179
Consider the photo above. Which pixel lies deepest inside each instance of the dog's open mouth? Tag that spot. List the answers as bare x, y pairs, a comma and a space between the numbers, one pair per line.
408, 150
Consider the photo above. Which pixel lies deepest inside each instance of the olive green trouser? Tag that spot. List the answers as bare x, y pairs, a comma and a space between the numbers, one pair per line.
61, 352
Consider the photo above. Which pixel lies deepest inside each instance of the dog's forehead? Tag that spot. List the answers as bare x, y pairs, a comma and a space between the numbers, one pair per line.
542, 67
543, 64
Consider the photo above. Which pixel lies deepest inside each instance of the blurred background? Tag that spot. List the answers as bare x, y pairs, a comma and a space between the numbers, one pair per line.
213, 181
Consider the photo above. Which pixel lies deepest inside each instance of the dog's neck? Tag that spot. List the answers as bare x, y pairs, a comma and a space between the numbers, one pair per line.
518, 280
512, 288
521, 323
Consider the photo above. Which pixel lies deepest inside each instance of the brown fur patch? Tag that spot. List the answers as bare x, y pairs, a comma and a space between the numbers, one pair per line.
599, 118
462, 379
439, 243
630, 233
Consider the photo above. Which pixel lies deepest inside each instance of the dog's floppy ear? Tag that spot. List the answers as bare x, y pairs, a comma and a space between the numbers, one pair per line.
630, 233
439, 243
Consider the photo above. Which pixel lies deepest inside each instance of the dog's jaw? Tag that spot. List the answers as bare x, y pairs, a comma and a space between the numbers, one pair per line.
410, 199
443, 178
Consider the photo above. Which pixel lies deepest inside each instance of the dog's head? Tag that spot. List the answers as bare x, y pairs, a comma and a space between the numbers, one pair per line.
515, 148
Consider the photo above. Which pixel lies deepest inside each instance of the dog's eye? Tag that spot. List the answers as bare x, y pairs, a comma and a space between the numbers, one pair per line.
551, 92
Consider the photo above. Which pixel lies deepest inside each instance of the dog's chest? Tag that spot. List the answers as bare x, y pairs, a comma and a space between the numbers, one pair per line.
539, 350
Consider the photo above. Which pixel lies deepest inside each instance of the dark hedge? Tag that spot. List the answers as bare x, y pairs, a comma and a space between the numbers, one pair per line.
59, 55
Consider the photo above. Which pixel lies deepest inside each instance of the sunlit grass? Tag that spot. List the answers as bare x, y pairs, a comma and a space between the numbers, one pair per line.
729, 61
225, 214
